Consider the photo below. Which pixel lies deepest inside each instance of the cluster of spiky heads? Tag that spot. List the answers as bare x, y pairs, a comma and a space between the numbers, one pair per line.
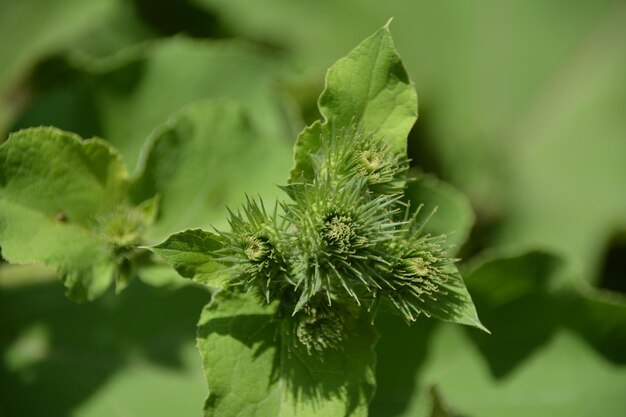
344, 237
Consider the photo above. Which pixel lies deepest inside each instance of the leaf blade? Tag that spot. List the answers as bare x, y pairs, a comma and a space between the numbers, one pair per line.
260, 377
368, 88
53, 188
192, 254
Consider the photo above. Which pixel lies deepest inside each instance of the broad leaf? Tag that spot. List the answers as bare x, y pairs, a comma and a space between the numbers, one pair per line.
536, 334
565, 378
537, 327
600, 318
59, 199
132, 354
192, 254
369, 89
513, 291
526, 291
167, 75
205, 157
253, 370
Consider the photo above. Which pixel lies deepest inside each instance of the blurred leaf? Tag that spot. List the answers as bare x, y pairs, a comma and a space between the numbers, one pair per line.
60, 88
439, 406
525, 366
368, 88
253, 368
204, 157
600, 318
574, 123
564, 378
516, 304
56, 193
166, 76
183, 166
523, 292
113, 356
454, 216
34, 29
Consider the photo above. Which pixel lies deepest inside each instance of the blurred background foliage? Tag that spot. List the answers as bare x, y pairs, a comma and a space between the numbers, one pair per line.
520, 142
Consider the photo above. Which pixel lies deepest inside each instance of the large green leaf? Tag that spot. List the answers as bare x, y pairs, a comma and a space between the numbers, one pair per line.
525, 291
513, 291
565, 378
56, 196
205, 157
152, 80
368, 89
166, 76
131, 354
253, 369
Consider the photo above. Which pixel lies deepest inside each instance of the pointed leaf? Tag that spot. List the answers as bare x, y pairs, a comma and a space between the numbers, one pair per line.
454, 303
192, 254
368, 88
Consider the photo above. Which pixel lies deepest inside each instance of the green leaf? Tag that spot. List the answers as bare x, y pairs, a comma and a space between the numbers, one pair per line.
454, 303
192, 254
529, 293
600, 318
33, 29
253, 369
509, 288
454, 216
539, 330
53, 189
165, 76
132, 354
565, 378
63, 202
207, 156
368, 88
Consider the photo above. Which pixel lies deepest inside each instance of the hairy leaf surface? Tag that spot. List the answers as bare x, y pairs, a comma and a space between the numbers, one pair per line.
53, 190
253, 370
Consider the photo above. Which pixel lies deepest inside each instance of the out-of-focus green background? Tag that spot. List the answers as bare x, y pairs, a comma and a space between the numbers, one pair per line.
522, 108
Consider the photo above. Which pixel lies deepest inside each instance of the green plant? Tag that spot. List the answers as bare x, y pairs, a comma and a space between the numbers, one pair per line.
289, 330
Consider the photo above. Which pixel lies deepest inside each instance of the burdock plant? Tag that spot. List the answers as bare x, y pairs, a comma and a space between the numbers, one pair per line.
298, 287
296, 284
